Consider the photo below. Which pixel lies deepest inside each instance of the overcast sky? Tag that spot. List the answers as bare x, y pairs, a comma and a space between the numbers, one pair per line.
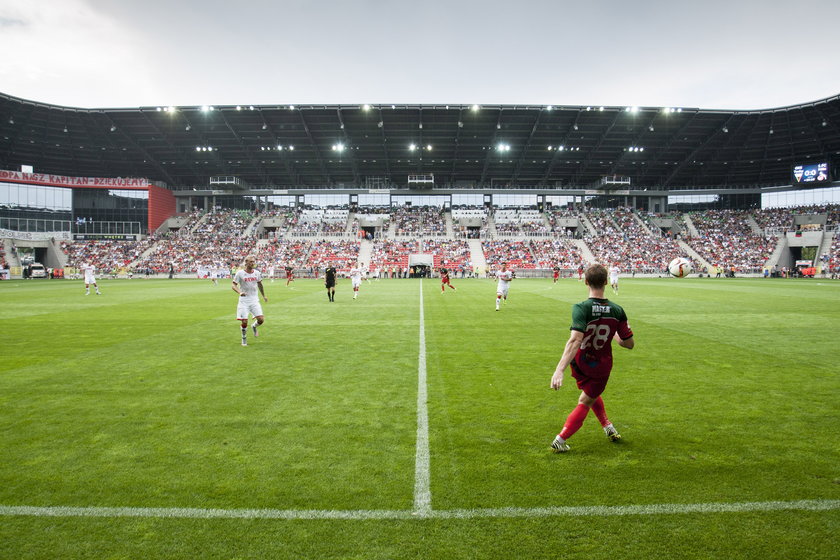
734, 54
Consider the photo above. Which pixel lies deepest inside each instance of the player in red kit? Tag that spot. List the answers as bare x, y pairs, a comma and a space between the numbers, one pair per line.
596, 322
444, 280
556, 273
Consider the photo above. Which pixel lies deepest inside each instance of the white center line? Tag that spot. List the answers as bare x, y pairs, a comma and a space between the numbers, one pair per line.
422, 486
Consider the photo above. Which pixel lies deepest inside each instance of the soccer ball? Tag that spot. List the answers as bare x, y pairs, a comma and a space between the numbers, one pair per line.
680, 267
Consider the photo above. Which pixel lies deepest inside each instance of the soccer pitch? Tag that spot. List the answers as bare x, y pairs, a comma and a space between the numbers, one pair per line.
410, 424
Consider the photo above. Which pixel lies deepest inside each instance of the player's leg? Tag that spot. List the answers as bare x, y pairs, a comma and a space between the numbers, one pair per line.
498, 300
243, 324
242, 317
601, 413
573, 423
87, 289
258, 321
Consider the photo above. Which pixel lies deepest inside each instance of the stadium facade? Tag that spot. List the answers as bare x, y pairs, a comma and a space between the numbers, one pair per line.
121, 173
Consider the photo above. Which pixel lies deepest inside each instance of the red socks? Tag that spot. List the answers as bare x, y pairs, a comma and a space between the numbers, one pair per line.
574, 421
600, 411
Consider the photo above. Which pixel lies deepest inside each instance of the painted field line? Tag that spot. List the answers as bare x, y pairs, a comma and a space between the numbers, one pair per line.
361, 515
422, 484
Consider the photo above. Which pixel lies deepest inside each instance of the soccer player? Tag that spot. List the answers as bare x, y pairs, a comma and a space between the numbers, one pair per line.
444, 280
505, 277
596, 322
614, 270
329, 282
90, 278
556, 273
246, 283
290, 275
356, 279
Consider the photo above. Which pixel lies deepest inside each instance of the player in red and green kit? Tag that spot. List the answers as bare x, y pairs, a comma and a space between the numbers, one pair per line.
595, 323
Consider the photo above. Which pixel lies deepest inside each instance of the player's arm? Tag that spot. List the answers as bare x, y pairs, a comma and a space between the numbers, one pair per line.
235, 286
624, 335
572, 346
628, 343
262, 292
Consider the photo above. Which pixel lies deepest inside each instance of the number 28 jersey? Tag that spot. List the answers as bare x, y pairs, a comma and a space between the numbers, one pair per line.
598, 320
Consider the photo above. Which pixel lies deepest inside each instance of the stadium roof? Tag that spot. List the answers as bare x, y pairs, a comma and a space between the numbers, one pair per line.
379, 146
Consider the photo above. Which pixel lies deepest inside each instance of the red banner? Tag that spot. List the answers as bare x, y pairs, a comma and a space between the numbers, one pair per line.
81, 182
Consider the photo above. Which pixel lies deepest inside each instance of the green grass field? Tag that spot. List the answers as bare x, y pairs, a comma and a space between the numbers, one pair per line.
134, 425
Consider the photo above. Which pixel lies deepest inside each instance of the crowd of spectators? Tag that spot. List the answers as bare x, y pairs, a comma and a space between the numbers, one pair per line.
389, 253
218, 240
603, 222
517, 254
105, 256
276, 254
561, 253
343, 255
453, 255
419, 221
727, 240
642, 255
833, 262
778, 219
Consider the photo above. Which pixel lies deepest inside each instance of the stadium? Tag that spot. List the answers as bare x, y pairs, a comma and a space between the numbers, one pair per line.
405, 417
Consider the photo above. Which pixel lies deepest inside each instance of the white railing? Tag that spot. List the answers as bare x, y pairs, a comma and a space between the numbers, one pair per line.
35, 235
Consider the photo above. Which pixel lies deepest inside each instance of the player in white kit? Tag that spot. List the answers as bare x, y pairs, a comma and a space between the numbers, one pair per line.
246, 283
356, 279
614, 270
505, 277
90, 278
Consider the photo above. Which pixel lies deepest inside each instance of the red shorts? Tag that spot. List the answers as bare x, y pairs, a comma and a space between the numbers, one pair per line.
595, 383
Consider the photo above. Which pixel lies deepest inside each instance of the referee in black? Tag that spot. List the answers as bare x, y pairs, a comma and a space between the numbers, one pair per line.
329, 282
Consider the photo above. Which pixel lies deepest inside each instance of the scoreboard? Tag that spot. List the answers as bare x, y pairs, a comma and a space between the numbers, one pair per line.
811, 173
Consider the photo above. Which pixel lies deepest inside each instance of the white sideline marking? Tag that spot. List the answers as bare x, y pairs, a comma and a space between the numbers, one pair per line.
583, 511
422, 485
